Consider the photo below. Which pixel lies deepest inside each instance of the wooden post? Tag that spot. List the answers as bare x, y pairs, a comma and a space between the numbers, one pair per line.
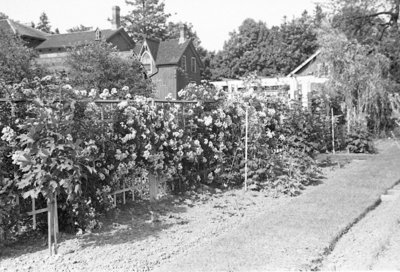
50, 223
333, 132
153, 184
246, 138
55, 224
123, 194
33, 210
56, 215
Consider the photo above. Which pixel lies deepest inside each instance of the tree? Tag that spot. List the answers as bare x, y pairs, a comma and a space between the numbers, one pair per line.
16, 60
79, 28
44, 24
98, 65
358, 77
267, 51
371, 23
147, 18
3, 16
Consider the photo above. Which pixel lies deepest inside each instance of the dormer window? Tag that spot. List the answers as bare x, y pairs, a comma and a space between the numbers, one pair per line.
183, 63
147, 62
98, 35
193, 65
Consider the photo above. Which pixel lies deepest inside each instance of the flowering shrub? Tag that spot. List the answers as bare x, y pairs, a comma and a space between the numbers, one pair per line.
65, 141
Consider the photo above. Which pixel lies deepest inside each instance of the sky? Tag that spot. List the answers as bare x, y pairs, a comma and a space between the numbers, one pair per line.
213, 20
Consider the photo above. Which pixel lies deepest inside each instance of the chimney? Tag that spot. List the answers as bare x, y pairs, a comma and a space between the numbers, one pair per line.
115, 21
182, 31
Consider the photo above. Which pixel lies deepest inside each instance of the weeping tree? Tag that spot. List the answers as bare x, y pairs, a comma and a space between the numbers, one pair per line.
359, 78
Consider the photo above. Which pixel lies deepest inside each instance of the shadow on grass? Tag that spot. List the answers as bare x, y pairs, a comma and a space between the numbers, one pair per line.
128, 223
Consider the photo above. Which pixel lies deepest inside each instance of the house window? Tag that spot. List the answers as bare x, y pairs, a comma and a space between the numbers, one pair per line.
184, 63
147, 62
98, 35
193, 65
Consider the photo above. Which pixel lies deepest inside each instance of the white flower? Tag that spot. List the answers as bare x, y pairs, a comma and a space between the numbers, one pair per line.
69, 138
125, 88
196, 142
67, 87
128, 96
8, 134
146, 154
113, 91
122, 105
271, 111
84, 92
92, 93
208, 120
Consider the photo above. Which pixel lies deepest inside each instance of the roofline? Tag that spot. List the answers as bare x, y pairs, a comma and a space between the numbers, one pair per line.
304, 63
124, 35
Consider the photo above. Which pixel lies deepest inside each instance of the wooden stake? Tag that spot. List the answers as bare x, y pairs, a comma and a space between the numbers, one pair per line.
50, 223
55, 224
333, 132
33, 210
245, 159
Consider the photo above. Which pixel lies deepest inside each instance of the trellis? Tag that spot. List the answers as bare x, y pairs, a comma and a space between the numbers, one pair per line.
51, 209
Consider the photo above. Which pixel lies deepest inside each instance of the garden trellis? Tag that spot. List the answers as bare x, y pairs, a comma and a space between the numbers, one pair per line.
154, 180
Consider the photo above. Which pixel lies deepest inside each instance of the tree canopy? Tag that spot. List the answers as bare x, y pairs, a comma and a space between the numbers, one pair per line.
44, 24
79, 28
16, 60
267, 51
98, 65
147, 18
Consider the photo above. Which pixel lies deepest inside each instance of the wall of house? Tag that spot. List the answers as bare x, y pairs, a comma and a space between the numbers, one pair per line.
165, 81
315, 68
185, 77
53, 61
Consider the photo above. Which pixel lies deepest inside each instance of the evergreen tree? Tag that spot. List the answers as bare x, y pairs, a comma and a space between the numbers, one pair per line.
3, 16
147, 18
44, 24
79, 28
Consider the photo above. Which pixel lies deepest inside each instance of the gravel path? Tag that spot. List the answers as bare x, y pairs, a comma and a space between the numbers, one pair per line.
373, 243
297, 235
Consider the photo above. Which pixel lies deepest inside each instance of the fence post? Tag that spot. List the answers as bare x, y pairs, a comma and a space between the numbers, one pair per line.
246, 139
333, 132
50, 223
153, 184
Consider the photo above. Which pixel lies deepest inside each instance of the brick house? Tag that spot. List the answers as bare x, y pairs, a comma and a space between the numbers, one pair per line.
172, 64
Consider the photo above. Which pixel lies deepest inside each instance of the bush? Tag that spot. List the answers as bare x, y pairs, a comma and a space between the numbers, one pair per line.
98, 65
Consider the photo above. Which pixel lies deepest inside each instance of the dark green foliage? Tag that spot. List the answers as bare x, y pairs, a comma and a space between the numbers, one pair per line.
98, 65
147, 18
268, 51
79, 28
16, 60
44, 24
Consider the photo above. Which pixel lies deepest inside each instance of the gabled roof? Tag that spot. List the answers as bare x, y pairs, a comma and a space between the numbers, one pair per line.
22, 30
79, 38
304, 64
167, 52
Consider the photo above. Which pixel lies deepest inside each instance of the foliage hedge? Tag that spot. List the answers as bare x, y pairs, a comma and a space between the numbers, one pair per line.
59, 142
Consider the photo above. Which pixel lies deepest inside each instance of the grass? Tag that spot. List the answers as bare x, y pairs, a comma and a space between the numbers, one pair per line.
297, 234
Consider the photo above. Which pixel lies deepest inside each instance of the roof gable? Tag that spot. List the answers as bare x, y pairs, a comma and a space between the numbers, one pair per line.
167, 52
303, 65
22, 30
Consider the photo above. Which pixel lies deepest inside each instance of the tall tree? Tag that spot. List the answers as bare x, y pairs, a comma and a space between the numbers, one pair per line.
79, 28
44, 24
147, 18
3, 15
374, 23
267, 51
